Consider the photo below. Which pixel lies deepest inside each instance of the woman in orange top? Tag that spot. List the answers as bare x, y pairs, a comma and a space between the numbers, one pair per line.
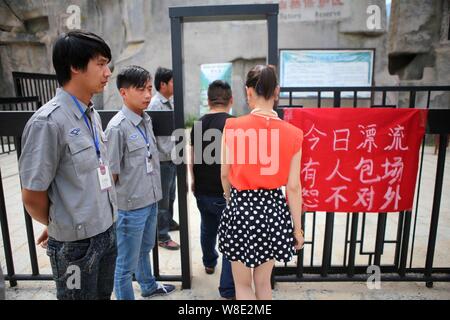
260, 155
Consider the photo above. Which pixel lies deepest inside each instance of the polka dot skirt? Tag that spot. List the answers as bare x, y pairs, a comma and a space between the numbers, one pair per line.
256, 227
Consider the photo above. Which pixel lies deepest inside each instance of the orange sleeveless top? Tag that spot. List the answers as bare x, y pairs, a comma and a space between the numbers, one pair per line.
260, 150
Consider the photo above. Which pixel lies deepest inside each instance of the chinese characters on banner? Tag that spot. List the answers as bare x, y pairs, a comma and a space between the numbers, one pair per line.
359, 160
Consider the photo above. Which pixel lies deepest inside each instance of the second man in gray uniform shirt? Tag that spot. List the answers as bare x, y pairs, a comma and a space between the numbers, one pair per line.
135, 166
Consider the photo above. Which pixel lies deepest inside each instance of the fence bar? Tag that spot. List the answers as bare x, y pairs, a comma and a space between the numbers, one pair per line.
319, 99
328, 243
301, 253
443, 139
29, 225
398, 243
337, 99
5, 235
381, 232
412, 99
405, 243
353, 238
347, 223
155, 253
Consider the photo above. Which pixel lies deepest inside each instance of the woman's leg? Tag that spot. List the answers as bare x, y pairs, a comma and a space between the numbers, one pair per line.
242, 281
261, 276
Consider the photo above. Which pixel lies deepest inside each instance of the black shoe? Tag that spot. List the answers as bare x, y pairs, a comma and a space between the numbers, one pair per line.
169, 245
174, 226
209, 270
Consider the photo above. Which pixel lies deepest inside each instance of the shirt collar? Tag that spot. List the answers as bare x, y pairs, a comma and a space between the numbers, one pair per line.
66, 99
133, 117
163, 99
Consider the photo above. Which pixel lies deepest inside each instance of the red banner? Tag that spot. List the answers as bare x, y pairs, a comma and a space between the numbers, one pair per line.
359, 160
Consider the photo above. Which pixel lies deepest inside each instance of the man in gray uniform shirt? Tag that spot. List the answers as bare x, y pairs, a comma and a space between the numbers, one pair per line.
162, 102
64, 170
135, 167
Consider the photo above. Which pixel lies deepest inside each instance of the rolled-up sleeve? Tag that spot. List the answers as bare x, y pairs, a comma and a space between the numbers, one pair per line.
115, 149
40, 155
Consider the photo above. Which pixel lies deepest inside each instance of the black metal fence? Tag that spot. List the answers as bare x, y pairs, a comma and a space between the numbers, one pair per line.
12, 123
7, 144
356, 222
32, 91
35, 84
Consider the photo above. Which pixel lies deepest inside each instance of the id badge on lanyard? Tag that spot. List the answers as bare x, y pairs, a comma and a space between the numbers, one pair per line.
148, 158
149, 165
104, 176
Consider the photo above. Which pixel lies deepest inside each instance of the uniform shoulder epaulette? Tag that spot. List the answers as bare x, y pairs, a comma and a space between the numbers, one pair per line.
47, 109
117, 119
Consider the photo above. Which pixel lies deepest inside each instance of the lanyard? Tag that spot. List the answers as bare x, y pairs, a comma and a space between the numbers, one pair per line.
93, 130
144, 135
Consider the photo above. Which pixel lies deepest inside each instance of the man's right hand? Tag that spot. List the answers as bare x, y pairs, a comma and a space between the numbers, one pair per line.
43, 239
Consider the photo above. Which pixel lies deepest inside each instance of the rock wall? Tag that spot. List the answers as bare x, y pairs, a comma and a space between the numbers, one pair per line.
138, 32
419, 47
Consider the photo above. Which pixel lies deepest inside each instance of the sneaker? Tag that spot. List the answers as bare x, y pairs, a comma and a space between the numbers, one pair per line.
162, 290
209, 270
169, 245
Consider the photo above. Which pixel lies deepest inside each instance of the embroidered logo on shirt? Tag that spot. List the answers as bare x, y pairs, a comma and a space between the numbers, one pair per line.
134, 136
75, 132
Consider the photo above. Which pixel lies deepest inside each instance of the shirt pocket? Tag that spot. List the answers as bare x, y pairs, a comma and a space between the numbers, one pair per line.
84, 157
137, 151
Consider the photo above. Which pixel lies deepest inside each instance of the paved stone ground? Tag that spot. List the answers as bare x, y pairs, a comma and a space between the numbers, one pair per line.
205, 286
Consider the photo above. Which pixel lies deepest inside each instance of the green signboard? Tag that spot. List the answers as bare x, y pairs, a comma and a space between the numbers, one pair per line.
208, 74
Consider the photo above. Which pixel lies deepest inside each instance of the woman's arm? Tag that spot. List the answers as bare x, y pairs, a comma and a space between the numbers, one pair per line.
191, 168
293, 190
224, 170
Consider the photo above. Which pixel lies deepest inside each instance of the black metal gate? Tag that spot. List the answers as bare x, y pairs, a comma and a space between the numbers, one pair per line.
35, 84
400, 269
12, 124
7, 144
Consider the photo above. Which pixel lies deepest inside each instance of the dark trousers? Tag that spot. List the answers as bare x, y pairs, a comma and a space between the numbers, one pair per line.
211, 208
84, 270
165, 205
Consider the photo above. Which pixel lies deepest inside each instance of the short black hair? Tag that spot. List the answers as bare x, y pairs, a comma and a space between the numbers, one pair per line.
219, 93
75, 49
133, 76
162, 75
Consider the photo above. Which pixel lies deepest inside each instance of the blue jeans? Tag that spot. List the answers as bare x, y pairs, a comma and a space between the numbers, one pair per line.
211, 208
136, 235
165, 205
84, 270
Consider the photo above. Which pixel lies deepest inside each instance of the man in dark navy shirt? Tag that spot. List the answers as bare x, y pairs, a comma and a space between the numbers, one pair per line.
206, 138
